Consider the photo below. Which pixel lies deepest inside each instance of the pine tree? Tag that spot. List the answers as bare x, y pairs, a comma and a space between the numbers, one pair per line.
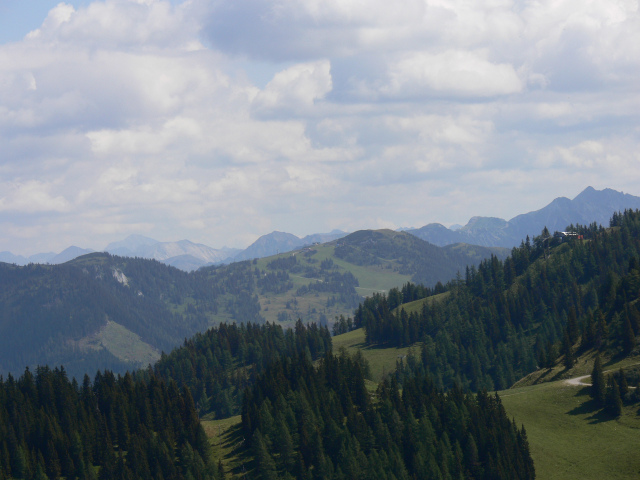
266, 465
628, 336
572, 326
284, 445
598, 386
622, 383
614, 402
602, 330
567, 351
40, 475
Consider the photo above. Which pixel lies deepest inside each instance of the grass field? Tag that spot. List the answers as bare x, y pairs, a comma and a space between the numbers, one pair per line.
381, 360
122, 343
372, 278
569, 438
416, 306
226, 443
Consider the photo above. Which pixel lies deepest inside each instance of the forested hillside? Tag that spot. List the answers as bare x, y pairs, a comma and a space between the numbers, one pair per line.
54, 314
219, 364
550, 298
320, 423
273, 366
102, 311
115, 427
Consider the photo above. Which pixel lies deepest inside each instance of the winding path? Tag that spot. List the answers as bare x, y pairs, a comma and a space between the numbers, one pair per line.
577, 381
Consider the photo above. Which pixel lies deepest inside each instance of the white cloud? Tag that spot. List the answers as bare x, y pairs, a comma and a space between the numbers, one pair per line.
31, 196
140, 116
119, 24
450, 73
295, 89
613, 154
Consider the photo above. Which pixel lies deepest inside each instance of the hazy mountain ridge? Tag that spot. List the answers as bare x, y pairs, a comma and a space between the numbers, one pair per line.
282, 242
49, 257
182, 254
589, 206
54, 314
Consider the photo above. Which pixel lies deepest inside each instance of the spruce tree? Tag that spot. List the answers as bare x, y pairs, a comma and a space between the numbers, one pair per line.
628, 336
572, 326
622, 383
266, 466
614, 402
598, 386
567, 351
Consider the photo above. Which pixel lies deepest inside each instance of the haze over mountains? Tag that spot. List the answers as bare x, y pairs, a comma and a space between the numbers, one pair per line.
183, 254
589, 206
280, 242
50, 257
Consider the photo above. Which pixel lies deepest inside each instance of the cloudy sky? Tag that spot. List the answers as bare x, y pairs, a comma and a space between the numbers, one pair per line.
222, 120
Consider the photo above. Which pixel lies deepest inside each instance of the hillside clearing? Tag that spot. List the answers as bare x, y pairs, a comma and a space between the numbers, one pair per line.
381, 360
570, 438
122, 343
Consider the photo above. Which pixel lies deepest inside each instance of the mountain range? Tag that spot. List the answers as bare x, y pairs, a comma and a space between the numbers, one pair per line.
50, 257
281, 242
183, 254
589, 206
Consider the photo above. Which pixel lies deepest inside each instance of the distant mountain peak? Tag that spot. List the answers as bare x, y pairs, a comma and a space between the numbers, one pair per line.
589, 206
281, 242
183, 254
131, 243
590, 189
69, 254
478, 223
560, 201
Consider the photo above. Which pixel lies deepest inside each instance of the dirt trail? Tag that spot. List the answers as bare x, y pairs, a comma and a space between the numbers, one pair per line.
577, 381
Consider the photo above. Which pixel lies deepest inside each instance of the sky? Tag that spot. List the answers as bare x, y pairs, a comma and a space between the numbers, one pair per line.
220, 121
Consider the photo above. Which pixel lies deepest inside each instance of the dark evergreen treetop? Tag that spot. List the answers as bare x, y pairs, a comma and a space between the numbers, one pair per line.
320, 423
117, 427
217, 365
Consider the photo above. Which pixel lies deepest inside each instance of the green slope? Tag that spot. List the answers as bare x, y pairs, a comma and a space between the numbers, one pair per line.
378, 259
122, 343
569, 438
416, 305
381, 360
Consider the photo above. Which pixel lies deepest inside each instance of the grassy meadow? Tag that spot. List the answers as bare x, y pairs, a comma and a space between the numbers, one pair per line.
381, 360
570, 438
226, 443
